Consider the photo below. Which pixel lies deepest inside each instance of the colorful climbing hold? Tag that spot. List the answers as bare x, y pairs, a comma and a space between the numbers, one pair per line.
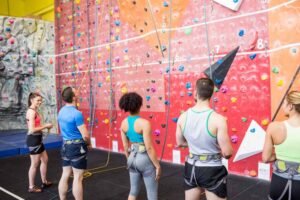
233, 99
265, 122
252, 56
280, 83
241, 33
188, 30
234, 139
244, 119
156, 132
275, 70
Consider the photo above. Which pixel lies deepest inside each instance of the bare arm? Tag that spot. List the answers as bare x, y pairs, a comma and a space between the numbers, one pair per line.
223, 138
31, 125
124, 140
85, 134
149, 147
180, 140
268, 154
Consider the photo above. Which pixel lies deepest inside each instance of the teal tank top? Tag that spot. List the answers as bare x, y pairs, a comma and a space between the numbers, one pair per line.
131, 134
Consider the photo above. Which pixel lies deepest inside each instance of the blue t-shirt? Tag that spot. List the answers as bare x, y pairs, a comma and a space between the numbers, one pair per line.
69, 118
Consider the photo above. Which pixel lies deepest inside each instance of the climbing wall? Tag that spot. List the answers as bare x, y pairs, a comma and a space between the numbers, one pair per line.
107, 48
26, 65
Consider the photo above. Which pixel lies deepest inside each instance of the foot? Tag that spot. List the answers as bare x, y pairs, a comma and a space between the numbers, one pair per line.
46, 184
34, 189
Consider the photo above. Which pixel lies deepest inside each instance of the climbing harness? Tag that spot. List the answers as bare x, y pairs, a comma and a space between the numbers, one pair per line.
289, 171
203, 158
135, 149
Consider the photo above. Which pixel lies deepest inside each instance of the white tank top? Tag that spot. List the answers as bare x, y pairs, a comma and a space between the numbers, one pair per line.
198, 137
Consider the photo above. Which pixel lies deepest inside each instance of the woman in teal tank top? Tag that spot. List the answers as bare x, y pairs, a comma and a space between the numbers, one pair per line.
284, 138
141, 158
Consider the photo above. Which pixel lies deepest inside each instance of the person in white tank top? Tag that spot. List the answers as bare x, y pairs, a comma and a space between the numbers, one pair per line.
204, 132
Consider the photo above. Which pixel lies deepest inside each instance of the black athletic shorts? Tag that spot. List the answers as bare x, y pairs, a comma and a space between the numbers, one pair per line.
35, 144
207, 178
277, 187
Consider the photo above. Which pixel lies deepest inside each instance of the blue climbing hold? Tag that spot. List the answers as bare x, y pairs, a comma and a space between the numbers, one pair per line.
235, 1
220, 61
175, 119
117, 22
107, 62
148, 98
166, 4
241, 33
252, 130
126, 50
181, 68
167, 69
188, 85
99, 84
167, 102
190, 93
252, 56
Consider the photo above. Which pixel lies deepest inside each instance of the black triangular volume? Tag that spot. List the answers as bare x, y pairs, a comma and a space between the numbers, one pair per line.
218, 71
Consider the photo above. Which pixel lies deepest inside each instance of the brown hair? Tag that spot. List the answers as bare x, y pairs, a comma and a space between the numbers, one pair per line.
294, 98
205, 88
32, 95
68, 94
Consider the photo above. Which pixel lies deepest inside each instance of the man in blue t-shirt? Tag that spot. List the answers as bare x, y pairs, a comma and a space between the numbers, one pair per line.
76, 142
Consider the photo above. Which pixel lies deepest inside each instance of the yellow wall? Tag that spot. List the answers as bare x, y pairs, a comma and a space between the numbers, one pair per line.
43, 9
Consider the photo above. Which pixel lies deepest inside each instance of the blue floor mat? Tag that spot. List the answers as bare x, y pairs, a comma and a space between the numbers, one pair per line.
13, 142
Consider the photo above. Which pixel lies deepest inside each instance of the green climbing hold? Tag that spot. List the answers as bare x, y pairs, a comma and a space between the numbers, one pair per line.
275, 70
244, 119
188, 31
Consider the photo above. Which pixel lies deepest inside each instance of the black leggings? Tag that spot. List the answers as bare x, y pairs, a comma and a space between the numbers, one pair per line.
277, 187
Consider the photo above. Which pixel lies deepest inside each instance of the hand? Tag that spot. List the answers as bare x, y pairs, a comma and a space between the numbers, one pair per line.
158, 173
89, 147
48, 125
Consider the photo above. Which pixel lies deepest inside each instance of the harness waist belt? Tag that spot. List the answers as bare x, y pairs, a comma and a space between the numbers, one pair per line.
138, 148
76, 141
205, 157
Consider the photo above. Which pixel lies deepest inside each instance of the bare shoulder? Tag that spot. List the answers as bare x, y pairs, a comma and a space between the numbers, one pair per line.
30, 113
143, 122
275, 127
124, 124
182, 117
218, 118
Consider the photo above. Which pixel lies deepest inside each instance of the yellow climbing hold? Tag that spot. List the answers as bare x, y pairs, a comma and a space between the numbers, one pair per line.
106, 121
124, 90
77, 1
280, 83
88, 119
78, 104
264, 77
233, 99
107, 78
107, 47
265, 122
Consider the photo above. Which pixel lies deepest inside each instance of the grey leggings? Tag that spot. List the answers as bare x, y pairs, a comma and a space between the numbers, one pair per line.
142, 167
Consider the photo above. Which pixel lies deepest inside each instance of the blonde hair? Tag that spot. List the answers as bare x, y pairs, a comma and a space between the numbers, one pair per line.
294, 98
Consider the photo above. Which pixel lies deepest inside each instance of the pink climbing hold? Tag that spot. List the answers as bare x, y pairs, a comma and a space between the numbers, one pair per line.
157, 132
234, 139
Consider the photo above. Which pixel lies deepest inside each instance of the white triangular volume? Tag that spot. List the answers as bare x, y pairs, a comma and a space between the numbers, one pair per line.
231, 4
252, 143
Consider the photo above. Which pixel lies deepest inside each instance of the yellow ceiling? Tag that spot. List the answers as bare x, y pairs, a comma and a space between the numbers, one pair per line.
40, 9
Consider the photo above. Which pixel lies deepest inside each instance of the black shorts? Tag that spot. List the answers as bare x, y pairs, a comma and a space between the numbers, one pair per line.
74, 155
35, 144
277, 187
212, 179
